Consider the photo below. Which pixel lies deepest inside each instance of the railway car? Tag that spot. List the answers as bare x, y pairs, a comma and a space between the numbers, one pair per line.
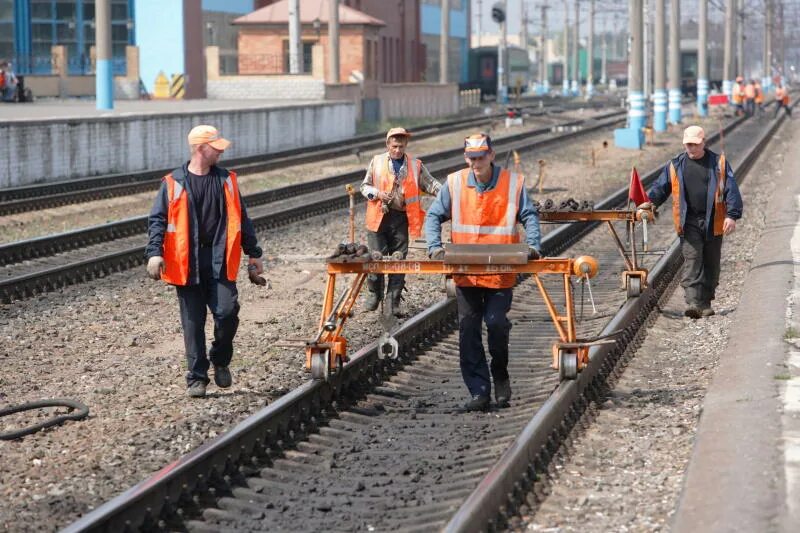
689, 67
483, 70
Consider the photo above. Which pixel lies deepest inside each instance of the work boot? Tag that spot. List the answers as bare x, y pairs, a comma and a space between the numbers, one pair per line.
692, 312
197, 389
395, 295
707, 311
502, 393
477, 403
373, 300
222, 377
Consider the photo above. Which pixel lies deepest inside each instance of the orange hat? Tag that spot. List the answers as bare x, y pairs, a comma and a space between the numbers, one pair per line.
477, 145
739, 79
208, 135
397, 132
693, 135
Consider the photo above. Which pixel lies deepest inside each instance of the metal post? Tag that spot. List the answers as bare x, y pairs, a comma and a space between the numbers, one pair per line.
646, 67
604, 57
523, 28
727, 62
333, 40
502, 87
659, 75
740, 39
590, 53
295, 39
766, 79
104, 75
565, 81
576, 71
444, 42
636, 113
780, 49
544, 82
702, 60
480, 18
675, 62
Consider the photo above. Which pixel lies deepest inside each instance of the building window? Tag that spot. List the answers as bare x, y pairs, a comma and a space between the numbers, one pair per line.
307, 57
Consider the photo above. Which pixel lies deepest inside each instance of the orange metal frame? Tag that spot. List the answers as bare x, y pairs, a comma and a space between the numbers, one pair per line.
335, 313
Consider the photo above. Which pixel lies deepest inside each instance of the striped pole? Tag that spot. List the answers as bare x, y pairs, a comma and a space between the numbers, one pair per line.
104, 75
636, 114
702, 97
674, 94
702, 60
660, 110
659, 74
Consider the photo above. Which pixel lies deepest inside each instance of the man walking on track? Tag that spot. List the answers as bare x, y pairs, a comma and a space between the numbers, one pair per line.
392, 187
198, 228
705, 206
484, 203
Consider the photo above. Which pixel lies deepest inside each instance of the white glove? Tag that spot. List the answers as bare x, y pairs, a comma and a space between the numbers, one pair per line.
155, 266
645, 205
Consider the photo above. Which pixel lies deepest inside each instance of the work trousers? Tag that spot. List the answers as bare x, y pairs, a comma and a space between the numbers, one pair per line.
391, 237
779, 105
221, 297
749, 107
476, 304
701, 255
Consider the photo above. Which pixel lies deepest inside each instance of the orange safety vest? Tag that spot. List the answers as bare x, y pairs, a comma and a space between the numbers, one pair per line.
383, 180
720, 208
749, 91
782, 95
178, 239
738, 93
489, 217
759, 94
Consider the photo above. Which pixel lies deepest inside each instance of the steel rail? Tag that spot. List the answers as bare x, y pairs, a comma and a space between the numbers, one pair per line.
503, 489
48, 279
52, 244
46, 195
266, 433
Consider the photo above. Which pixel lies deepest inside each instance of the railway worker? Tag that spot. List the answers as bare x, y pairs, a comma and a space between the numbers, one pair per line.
750, 98
196, 228
759, 96
392, 187
484, 203
737, 95
701, 215
782, 100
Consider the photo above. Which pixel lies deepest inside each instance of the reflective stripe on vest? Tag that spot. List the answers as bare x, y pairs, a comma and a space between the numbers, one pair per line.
489, 217
383, 181
676, 199
720, 208
178, 239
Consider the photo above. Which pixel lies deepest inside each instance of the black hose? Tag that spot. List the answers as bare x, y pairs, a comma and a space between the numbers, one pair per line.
79, 412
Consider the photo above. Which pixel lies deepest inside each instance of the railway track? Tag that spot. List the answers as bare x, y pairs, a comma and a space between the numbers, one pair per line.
47, 195
383, 446
47, 263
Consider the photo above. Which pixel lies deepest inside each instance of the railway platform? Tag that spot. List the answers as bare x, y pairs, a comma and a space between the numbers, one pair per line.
744, 473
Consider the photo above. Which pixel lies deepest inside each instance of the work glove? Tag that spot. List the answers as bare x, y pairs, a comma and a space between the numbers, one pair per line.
437, 254
254, 268
533, 253
648, 207
155, 266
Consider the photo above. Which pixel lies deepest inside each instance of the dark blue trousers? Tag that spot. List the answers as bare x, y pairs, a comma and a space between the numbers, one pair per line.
477, 304
221, 297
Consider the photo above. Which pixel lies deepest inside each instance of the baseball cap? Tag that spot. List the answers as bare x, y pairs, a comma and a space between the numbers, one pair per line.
739, 78
693, 135
477, 145
208, 135
397, 132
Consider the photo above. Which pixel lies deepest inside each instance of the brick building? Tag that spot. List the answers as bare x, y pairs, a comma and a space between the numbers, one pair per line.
378, 38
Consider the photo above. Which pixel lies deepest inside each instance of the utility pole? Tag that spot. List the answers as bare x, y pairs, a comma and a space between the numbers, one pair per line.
543, 74
523, 27
659, 75
576, 70
604, 56
444, 42
104, 75
780, 49
740, 39
480, 18
590, 53
702, 61
502, 86
565, 82
646, 54
633, 135
333, 40
766, 81
675, 62
295, 39
727, 62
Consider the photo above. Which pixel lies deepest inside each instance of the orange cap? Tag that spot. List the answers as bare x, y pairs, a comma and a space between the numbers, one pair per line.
477, 145
397, 132
739, 79
693, 135
208, 135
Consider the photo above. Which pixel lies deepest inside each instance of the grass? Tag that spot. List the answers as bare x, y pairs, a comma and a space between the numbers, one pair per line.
791, 333
783, 377
411, 123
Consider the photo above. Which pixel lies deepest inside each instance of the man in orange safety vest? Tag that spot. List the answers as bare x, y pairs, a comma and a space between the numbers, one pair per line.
484, 203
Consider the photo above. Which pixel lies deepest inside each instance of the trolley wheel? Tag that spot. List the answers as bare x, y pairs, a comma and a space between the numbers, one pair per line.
567, 365
633, 286
450, 287
339, 364
319, 366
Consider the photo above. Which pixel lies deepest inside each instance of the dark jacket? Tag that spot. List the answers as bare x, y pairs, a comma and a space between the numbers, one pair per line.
157, 225
662, 189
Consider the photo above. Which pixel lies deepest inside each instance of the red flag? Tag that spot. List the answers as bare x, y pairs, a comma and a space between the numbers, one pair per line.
636, 191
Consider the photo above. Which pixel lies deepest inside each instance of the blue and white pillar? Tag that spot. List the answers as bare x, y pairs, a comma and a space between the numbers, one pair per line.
565, 87
637, 117
660, 110
675, 106
727, 88
104, 73
702, 97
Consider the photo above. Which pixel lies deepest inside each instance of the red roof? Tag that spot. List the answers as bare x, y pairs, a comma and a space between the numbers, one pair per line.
310, 10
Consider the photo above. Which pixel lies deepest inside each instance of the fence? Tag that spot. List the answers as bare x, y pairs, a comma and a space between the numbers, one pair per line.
77, 65
469, 98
